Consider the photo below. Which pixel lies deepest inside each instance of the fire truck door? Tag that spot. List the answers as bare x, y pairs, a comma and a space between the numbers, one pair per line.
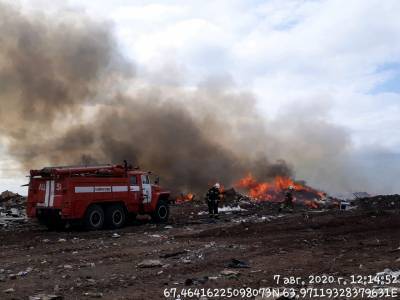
146, 186
134, 189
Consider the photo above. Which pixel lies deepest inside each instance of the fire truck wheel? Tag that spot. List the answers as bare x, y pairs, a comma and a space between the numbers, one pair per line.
94, 219
161, 213
115, 216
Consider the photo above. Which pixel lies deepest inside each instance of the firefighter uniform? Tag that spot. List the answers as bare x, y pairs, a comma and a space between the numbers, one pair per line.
289, 199
213, 196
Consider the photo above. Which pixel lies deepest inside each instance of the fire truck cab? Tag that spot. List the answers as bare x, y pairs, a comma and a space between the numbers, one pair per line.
96, 196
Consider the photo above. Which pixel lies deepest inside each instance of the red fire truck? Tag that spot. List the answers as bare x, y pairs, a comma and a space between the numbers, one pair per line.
96, 196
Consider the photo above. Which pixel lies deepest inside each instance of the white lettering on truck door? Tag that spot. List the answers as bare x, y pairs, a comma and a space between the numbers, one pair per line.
146, 189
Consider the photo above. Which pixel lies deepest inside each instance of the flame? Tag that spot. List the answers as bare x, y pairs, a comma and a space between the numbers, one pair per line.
184, 198
221, 189
311, 204
274, 190
283, 183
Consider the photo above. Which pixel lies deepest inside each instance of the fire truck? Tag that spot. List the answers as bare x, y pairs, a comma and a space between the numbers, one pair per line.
94, 196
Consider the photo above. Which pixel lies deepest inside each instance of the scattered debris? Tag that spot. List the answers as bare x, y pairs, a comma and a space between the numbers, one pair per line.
12, 209
229, 273
172, 254
196, 281
235, 263
195, 253
394, 274
155, 235
9, 291
93, 294
45, 297
224, 209
230, 208
186, 261
150, 263
26, 272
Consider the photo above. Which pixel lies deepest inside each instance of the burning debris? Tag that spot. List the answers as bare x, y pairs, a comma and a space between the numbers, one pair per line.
269, 193
182, 198
274, 191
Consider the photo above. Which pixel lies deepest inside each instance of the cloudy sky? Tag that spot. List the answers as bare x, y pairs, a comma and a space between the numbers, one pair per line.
335, 58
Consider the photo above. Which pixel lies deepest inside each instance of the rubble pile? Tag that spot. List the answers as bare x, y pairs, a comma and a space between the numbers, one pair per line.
233, 198
303, 199
379, 202
12, 209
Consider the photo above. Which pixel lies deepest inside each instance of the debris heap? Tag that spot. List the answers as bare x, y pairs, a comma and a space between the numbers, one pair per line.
379, 202
12, 209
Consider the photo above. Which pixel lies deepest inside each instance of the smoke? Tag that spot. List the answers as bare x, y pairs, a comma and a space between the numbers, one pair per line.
68, 96
49, 69
321, 151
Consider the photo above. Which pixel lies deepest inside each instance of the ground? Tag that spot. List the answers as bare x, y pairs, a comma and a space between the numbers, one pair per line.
191, 248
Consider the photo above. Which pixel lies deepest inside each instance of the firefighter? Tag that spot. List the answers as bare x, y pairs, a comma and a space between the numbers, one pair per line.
213, 196
289, 198
288, 202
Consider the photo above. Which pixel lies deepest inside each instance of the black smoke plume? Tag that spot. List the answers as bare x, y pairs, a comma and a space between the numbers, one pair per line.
69, 97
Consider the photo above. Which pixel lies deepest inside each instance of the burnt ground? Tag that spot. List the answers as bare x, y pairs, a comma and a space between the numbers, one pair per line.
84, 265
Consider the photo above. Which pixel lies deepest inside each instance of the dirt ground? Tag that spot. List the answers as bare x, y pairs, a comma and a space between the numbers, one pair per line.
194, 252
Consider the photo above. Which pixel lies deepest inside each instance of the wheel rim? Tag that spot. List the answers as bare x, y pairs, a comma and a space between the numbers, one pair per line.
162, 212
95, 218
117, 217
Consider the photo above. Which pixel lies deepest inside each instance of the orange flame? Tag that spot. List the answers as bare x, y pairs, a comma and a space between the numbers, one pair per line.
273, 190
311, 204
184, 198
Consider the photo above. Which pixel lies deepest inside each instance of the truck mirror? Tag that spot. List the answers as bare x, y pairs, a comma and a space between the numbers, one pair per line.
157, 181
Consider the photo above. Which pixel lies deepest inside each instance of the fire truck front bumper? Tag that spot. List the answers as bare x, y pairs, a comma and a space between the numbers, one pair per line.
45, 214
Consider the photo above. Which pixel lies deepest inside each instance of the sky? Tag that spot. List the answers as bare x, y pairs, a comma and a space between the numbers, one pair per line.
341, 55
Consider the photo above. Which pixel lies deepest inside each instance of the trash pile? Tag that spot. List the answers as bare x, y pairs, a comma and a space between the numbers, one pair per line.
302, 199
234, 198
234, 202
379, 202
12, 209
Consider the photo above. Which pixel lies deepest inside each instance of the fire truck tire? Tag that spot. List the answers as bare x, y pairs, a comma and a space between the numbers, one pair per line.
161, 214
115, 216
94, 218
